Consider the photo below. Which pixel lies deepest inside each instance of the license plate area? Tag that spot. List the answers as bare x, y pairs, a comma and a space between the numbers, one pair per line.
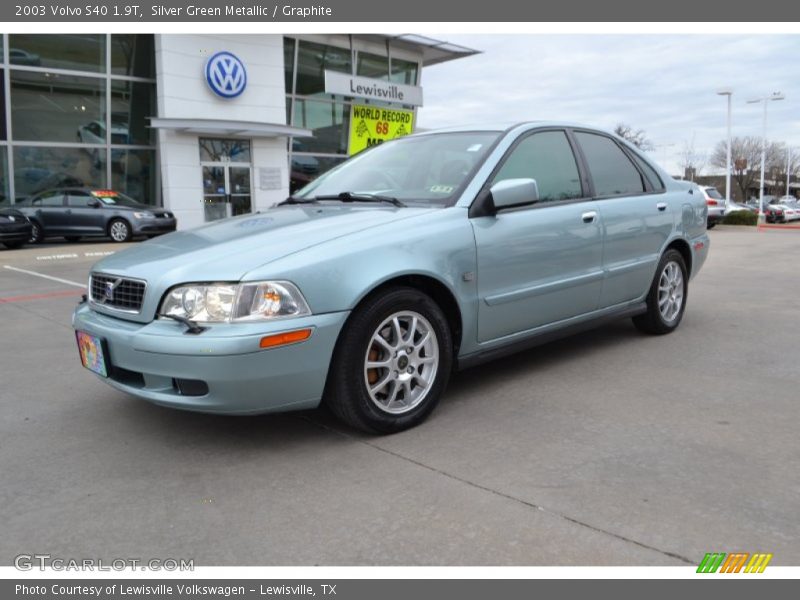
93, 352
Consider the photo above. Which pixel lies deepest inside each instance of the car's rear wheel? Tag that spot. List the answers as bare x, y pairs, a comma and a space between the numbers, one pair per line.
666, 299
119, 230
37, 233
710, 225
392, 362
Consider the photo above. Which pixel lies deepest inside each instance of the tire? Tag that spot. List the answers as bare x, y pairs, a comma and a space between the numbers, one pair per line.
72, 238
37, 233
119, 230
666, 300
710, 225
13, 245
412, 382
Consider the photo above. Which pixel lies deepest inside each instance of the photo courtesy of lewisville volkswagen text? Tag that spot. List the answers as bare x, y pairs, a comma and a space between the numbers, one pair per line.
341, 309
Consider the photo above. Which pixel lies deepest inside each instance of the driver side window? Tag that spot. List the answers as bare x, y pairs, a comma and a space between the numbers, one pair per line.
546, 157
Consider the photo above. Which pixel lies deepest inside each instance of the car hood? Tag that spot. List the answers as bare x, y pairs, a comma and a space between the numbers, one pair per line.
227, 250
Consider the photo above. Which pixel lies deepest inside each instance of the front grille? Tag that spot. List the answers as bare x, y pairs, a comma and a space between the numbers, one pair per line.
117, 292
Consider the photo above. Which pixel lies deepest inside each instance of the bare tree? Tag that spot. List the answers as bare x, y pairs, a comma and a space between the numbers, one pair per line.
636, 137
746, 158
690, 159
787, 157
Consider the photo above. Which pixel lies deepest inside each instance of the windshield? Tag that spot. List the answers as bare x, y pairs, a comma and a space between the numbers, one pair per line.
427, 169
713, 193
112, 198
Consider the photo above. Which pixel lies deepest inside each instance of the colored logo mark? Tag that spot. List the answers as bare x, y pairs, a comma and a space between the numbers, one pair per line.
735, 562
226, 75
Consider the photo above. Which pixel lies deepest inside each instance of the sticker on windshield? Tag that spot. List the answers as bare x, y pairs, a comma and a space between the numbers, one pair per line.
104, 194
441, 189
474, 147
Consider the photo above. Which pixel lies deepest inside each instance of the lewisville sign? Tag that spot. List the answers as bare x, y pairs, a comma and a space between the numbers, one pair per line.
373, 89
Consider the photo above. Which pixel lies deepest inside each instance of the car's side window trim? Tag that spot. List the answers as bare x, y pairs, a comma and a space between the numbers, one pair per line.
649, 188
477, 208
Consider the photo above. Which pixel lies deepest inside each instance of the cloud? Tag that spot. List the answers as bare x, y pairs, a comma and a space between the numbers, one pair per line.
664, 84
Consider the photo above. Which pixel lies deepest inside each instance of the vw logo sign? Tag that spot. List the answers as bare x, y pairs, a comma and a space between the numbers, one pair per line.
226, 75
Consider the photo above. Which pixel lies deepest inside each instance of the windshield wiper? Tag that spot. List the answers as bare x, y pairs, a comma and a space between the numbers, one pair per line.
191, 326
297, 200
361, 197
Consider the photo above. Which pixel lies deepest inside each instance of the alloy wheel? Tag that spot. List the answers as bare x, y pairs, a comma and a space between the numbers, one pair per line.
401, 362
670, 291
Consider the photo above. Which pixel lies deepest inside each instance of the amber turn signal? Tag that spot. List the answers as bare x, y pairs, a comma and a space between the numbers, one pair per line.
281, 339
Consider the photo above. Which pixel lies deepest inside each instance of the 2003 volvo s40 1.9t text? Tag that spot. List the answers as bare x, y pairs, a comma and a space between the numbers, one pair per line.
368, 287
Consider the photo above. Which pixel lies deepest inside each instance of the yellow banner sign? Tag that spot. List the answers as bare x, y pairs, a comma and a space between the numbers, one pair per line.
372, 125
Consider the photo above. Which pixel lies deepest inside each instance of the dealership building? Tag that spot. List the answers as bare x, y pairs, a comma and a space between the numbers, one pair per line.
208, 126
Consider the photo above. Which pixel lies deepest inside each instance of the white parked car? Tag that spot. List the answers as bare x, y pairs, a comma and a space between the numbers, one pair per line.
715, 203
791, 208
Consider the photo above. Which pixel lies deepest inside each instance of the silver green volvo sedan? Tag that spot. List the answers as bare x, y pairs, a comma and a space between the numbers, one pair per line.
370, 286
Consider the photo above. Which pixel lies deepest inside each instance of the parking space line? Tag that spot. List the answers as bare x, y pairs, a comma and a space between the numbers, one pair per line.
42, 275
61, 293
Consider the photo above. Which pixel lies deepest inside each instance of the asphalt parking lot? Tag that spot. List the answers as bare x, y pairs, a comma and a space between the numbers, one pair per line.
608, 448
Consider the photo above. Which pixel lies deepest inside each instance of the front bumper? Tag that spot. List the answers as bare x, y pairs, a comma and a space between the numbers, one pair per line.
153, 226
241, 378
15, 232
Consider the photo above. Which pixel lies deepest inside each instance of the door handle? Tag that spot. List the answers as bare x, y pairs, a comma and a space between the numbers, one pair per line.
589, 217
662, 206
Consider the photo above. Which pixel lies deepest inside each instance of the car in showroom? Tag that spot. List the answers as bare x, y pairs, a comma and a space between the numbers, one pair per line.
716, 204
15, 229
367, 288
75, 213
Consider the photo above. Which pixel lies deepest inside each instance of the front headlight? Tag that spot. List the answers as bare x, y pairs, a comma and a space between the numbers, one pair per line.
226, 302
143, 215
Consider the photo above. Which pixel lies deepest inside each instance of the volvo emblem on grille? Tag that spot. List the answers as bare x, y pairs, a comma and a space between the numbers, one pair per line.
109, 291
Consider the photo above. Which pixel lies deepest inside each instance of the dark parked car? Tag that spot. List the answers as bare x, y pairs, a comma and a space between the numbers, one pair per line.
74, 213
15, 229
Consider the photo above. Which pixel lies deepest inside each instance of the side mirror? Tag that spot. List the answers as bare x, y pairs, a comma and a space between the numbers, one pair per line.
512, 193
94, 204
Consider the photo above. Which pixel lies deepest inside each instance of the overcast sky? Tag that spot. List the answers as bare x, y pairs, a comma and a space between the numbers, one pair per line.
663, 84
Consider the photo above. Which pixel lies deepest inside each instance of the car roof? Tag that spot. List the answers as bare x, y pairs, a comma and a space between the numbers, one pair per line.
501, 126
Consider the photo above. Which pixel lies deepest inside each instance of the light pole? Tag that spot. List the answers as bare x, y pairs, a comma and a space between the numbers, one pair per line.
765, 100
729, 93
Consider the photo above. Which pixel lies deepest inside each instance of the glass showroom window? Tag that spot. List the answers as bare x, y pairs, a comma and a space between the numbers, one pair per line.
57, 108
84, 52
330, 123
133, 173
133, 55
404, 71
4, 199
373, 66
312, 62
40, 168
79, 107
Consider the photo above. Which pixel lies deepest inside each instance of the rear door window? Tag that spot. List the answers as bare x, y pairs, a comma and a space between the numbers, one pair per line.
612, 171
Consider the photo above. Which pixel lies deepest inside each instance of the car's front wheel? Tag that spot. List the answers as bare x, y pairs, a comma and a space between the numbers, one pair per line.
37, 233
666, 299
392, 362
119, 230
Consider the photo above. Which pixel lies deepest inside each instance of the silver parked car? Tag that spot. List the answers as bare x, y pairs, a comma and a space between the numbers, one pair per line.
369, 286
